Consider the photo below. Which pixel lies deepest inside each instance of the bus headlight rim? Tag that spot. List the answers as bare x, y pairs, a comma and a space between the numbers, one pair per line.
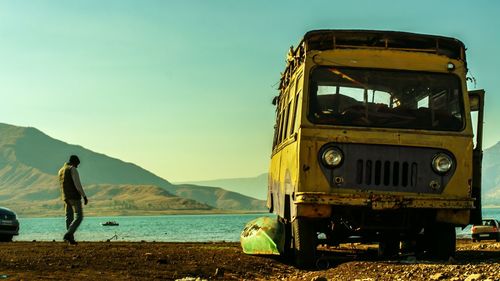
332, 157
442, 163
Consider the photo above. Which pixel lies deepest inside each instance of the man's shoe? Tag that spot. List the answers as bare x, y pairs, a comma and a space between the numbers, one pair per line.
70, 239
66, 237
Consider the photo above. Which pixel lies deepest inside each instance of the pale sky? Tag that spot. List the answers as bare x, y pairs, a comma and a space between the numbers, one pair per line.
183, 88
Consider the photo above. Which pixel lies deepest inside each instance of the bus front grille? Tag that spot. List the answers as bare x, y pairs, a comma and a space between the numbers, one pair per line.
386, 173
371, 168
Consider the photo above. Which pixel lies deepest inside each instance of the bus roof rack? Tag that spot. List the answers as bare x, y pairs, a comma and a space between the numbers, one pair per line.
330, 39
392, 40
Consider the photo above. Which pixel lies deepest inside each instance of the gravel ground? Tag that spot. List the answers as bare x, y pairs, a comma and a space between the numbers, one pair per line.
225, 261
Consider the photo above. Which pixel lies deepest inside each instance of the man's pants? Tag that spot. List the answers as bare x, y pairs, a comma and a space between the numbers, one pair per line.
74, 216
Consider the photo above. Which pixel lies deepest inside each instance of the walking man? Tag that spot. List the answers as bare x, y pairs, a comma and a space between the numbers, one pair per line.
72, 194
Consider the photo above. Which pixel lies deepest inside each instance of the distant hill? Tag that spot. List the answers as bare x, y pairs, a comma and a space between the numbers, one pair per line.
255, 187
29, 161
218, 197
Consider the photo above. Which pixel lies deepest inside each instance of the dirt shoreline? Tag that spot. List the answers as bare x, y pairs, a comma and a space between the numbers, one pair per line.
225, 261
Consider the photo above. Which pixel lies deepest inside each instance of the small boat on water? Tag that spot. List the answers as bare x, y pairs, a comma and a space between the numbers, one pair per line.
110, 223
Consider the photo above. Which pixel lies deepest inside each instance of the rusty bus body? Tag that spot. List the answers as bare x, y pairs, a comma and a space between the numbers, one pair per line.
374, 139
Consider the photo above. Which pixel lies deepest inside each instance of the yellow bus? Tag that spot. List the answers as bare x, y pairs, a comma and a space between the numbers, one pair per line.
374, 142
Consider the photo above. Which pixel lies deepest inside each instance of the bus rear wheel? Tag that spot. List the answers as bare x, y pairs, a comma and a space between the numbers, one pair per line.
388, 247
304, 238
442, 241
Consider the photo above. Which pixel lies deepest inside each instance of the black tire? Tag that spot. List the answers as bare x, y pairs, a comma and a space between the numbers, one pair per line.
6, 238
388, 247
408, 246
442, 241
421, 246
287, 253
304, 238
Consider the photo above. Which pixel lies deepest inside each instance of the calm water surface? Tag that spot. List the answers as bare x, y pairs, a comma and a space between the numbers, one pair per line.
174, 228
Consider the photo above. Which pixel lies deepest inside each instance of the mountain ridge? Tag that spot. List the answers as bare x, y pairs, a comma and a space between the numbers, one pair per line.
255, 187
30, 159
491, 176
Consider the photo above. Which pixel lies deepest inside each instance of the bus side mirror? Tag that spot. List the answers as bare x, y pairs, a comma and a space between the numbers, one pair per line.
476, 100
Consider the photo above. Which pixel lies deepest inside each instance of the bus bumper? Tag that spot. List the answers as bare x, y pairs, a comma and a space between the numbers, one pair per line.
318, 205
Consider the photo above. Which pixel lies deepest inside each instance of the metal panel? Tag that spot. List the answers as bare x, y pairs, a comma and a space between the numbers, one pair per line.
386, 168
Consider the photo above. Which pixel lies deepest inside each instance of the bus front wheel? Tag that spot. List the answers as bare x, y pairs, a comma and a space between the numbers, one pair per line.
304, 238
287, 252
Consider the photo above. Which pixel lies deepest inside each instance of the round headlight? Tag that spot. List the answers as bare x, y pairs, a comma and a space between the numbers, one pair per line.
442, 163
332, 157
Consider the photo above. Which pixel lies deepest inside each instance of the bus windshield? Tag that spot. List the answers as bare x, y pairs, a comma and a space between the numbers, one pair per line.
385, 99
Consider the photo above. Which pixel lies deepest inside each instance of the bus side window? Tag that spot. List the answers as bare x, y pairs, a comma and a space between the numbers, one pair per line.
284, 123
294, 124
277, 126
287, 120
289, 109
280, 128
291, 117
295, 111
276, 129
284, 117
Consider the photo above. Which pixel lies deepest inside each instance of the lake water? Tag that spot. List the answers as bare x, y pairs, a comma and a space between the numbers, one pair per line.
171, 228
